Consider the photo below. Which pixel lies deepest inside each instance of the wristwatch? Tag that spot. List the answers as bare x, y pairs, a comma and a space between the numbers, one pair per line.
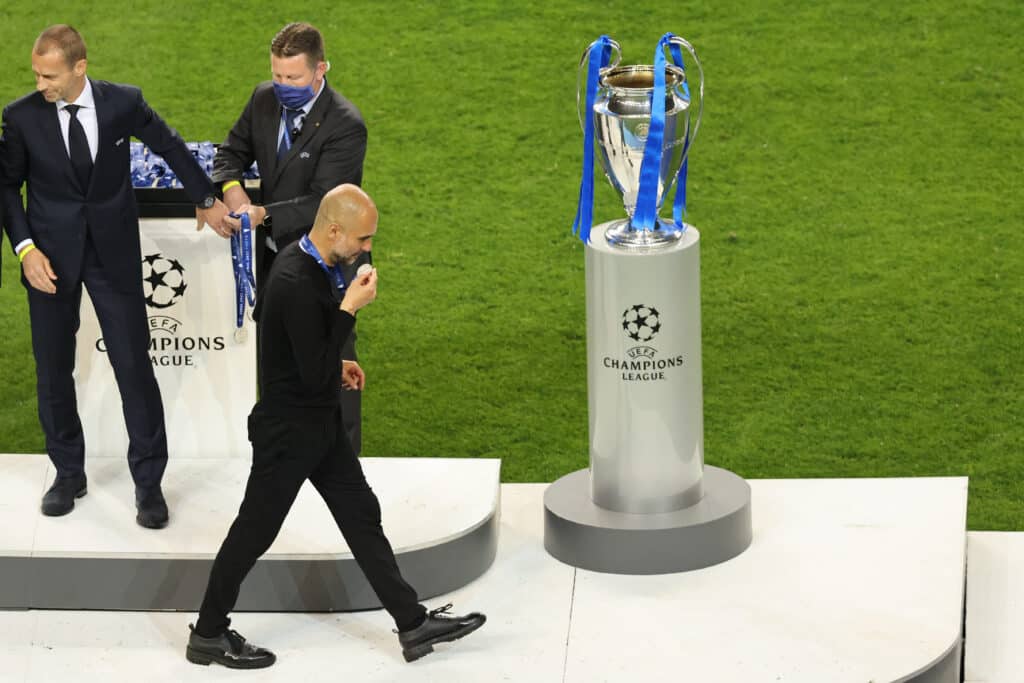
207, 202
268, 223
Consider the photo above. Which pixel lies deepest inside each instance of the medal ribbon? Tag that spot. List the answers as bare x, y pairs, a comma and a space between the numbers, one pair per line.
241, 261
334, 272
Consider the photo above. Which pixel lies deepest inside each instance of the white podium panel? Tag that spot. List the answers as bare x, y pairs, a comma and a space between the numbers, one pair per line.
207, 377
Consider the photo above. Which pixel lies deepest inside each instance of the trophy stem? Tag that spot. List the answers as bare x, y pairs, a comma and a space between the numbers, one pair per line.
622, 233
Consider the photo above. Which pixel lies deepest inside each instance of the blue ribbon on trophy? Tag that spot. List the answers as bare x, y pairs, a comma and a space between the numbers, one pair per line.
624, 115
245, 281
646, 215
597, 57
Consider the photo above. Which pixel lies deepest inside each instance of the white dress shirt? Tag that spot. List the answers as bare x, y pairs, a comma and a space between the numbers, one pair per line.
86, 116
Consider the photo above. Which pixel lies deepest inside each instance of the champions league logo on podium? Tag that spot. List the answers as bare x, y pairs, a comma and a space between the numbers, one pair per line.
163, 280
647, 504
172, 343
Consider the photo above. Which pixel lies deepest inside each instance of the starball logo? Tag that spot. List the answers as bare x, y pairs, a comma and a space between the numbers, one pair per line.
164, 285
163, 281
641, 323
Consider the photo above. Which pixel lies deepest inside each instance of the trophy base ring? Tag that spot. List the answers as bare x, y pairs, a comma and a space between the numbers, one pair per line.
621, 234
579, 533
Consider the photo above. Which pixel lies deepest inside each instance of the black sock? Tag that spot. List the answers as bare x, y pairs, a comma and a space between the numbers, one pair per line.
413, 624
203, 633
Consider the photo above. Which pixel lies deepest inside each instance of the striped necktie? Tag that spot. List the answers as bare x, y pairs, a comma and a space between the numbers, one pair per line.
289, 131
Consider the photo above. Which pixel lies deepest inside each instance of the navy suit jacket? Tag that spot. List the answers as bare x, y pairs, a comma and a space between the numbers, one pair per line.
59, 211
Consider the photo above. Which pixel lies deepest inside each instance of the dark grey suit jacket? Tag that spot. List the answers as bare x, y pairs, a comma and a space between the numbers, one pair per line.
328, 152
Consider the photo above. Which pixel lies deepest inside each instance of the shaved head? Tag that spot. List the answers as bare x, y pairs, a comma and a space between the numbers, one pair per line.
345, 224
347, 206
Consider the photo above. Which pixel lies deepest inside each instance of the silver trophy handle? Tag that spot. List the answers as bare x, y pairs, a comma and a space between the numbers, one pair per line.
579, 74
685, 44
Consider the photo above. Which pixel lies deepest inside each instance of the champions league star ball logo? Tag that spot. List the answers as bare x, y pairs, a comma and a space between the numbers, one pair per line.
163, 280
640, 363
641, 322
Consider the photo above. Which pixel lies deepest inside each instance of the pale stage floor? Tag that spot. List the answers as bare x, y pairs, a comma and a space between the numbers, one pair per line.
846, 580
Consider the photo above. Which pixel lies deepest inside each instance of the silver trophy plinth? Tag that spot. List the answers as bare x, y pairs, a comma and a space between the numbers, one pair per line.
647, 504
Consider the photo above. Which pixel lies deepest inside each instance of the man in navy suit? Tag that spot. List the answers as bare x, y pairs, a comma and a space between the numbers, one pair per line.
69, 141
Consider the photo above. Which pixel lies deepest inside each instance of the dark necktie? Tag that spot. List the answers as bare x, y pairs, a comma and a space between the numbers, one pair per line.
289, 131
81, 158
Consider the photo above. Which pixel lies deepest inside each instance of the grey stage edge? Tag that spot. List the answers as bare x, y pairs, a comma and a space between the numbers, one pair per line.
15, 572
283, 584
581, 534
945, 669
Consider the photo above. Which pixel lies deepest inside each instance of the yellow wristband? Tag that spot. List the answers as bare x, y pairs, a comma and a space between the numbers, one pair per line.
24, 252
228, 185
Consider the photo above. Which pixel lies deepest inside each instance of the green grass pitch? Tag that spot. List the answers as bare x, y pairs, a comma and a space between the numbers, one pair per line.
857, 182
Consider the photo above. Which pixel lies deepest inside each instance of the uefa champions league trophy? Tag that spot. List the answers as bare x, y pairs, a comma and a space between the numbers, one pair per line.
647, 504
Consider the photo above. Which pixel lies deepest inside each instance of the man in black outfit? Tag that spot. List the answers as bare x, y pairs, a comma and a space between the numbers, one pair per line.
304, 317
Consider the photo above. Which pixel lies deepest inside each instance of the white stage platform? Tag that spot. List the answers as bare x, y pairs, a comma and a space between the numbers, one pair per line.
846, 580
440, 515
995, 607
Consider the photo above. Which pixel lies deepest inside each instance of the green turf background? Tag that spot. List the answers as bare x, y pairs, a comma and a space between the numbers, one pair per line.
857, 183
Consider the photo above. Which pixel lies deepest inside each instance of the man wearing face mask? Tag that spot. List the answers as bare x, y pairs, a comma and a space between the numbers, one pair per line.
306, 139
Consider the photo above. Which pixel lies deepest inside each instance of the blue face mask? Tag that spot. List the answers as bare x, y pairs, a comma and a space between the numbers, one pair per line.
291, 96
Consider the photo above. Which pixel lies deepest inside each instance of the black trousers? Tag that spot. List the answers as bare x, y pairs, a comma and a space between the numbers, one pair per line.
286, 452
123, 321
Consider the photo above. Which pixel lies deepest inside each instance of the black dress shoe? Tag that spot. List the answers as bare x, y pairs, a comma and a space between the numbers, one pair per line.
228, 649
438, 627
152, 508
60, 499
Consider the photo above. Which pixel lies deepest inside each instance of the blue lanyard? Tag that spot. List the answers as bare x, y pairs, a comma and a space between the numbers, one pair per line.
334, 272
241, 261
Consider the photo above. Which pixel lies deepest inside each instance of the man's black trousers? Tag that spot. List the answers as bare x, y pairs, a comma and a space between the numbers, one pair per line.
286, 452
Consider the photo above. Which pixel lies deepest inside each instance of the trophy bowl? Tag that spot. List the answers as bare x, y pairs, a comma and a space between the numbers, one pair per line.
621, 116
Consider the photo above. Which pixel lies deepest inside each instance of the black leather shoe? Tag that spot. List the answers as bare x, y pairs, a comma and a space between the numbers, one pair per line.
152, 508
438, 627
228, 649
60, 499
